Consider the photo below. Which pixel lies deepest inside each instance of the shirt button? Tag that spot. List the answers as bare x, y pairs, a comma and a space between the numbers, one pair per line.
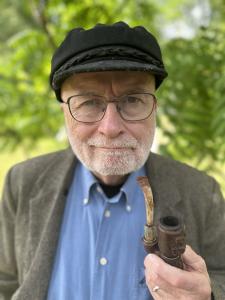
103, 261
85, 201
128, 208
107, 213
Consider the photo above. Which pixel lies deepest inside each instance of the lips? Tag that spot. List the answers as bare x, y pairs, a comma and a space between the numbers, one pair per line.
113, 147
119, 144
113, 150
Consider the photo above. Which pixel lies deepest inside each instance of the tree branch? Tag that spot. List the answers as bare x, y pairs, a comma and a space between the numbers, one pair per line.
43, 21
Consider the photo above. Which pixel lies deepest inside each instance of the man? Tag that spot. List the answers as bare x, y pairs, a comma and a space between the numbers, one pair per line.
71, 222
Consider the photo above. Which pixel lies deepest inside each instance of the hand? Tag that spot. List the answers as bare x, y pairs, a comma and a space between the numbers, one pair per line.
192, 283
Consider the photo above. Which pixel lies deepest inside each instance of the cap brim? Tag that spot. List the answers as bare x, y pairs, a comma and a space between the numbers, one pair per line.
107, 65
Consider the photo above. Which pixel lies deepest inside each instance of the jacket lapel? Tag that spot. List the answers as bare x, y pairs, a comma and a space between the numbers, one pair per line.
166, 195
46, 212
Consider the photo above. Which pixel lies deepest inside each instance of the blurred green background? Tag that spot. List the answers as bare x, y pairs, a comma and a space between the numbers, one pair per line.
191, 114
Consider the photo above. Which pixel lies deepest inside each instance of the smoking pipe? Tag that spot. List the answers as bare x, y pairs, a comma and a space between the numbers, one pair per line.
167, 239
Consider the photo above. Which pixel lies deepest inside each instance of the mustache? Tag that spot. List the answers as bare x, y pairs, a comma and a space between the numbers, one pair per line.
123, 142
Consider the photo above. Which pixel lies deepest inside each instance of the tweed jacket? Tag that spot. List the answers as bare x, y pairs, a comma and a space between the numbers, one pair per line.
32, 207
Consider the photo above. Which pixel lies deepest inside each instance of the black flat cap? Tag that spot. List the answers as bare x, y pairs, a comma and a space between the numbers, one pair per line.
106, 48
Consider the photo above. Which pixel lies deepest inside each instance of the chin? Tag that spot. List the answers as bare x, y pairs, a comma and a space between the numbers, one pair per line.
114, 166
109, 163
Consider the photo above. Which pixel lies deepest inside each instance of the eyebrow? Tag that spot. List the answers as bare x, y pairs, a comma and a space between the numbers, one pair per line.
138, 90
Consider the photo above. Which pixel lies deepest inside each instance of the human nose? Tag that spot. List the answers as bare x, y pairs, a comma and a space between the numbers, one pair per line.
112, 124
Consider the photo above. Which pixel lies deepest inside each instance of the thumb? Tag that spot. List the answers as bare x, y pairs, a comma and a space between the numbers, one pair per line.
192, 261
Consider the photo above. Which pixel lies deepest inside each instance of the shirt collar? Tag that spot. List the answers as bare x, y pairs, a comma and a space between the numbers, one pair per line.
87, 181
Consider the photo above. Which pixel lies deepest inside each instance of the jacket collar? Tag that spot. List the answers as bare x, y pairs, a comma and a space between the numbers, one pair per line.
50, 192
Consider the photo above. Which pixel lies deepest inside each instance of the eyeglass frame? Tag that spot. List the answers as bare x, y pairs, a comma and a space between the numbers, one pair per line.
67, 102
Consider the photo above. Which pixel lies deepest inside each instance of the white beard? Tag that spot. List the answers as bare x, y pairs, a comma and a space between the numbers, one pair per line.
107, 162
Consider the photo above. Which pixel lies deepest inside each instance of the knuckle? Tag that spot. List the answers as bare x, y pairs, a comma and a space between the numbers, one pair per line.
155, 277
201, 264
151, 277
148, 280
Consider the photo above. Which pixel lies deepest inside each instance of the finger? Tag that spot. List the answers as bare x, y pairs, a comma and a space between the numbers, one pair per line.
156, 285
193, 261
159, 293
166, 275
193, 280
160, 289
162, 271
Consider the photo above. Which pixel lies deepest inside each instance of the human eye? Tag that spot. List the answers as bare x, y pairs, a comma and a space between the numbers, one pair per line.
133, 99
88, 102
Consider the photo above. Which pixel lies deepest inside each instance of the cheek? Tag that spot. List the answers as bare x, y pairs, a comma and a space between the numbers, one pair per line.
70, 124
143, 130
78, 130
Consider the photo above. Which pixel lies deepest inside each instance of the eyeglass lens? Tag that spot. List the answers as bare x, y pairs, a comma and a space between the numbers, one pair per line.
91, 108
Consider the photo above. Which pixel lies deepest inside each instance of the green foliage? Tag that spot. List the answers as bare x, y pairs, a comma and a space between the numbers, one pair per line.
28, 109
191, 102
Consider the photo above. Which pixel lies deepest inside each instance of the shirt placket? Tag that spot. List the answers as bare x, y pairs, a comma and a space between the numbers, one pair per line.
102, 259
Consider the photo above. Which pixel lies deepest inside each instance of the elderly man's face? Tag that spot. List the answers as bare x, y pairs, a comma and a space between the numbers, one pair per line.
110, 148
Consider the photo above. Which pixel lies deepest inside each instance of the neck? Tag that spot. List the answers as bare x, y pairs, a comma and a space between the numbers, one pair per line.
111, 179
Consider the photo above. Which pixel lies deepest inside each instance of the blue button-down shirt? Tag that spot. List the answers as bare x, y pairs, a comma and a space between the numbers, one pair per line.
100, 253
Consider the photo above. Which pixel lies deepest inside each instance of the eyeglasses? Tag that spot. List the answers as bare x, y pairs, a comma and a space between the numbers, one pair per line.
89, 108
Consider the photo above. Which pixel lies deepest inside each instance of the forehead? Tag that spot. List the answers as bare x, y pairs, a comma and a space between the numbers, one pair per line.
119, 80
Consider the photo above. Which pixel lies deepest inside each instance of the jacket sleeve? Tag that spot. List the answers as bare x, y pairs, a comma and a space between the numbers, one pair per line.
214, 242
8, 266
